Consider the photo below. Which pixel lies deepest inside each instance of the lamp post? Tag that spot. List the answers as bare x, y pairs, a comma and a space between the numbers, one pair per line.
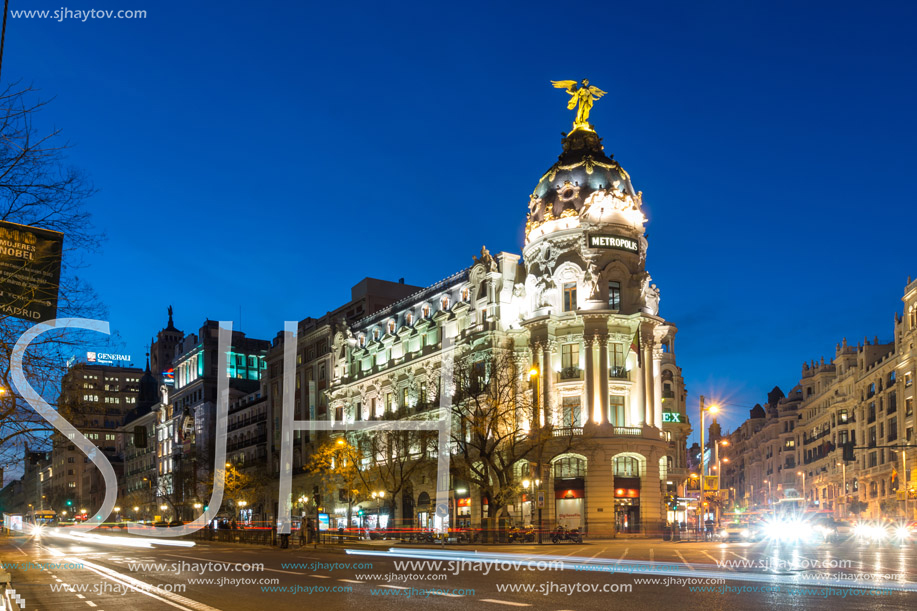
713, 409
843, 467
804, 495
378, 496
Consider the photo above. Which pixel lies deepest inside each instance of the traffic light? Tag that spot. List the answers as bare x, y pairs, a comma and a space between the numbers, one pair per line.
848, 451
69, 503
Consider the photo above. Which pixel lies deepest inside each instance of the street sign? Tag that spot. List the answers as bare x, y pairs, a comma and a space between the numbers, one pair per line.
30, 261
540, 499
711, 482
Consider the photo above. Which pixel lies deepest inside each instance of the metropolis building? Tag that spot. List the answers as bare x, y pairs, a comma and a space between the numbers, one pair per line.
580, 309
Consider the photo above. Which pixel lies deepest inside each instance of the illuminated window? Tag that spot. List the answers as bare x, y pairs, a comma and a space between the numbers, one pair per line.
569, 296
362, 341
465, 294
376, 334
614, 295
425, 310
391, 326
444, 302
569, 356
409, 319
616, 410
626, 466
572, 412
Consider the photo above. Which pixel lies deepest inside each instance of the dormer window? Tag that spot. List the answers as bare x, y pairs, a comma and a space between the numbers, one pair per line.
425, 311
362, 341
444, 302
409, 319
376, 334
465, 294
391, 326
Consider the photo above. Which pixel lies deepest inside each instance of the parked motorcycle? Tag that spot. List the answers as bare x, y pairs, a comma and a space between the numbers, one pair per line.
522, 535
566, 534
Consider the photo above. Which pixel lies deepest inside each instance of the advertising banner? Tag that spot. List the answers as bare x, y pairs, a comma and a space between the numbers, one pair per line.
30, 261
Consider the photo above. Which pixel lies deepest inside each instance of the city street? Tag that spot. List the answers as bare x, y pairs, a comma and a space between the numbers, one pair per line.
112, 576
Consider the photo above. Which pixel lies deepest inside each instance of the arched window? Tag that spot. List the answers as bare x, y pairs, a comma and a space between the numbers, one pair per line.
444, 302
626, 466
391, 326
569, 467
362, 340
409, 319
425, 311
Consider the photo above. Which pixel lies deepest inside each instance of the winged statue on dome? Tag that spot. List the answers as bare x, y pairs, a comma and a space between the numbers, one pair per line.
582, 97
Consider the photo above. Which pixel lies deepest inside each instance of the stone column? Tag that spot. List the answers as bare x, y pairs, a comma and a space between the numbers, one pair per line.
603, 379
636, 413
600, 501
657, 388
537, 363
589, 342
547, 380
651, 497
649, 395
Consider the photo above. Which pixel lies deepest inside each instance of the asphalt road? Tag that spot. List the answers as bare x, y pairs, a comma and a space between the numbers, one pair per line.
107, 575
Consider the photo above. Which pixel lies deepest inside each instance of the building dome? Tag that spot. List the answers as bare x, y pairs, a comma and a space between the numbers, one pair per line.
581, 169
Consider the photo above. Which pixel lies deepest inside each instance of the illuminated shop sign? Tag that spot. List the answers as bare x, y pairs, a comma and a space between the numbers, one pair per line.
671, 417
601, 240
104, 358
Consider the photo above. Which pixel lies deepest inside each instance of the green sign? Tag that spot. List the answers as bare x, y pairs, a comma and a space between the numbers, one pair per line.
671, 417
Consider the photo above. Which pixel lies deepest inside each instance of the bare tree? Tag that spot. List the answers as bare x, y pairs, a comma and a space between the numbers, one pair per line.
39, 188
494, 424
395, 458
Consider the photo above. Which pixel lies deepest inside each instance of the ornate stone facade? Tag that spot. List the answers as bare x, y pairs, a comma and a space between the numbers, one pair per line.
580, 309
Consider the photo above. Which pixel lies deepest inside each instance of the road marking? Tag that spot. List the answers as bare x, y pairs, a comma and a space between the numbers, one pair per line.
504, 602
91, 604
58, 581
626, 549
80, 596
687, 564
321, 576
740, 556
599, 552
652, 555
350, 581
717, 562
394, 587
170, 598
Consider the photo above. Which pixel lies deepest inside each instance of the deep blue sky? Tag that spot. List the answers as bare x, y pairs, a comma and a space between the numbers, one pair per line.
271, 155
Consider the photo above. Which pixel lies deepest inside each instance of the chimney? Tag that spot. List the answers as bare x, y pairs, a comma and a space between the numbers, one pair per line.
400, 280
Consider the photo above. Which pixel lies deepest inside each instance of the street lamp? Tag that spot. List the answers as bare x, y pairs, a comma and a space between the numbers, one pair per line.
713, 409
843, 466
378, 496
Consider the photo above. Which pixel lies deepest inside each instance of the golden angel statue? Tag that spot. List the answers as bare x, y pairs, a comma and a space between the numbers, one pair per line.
581, 94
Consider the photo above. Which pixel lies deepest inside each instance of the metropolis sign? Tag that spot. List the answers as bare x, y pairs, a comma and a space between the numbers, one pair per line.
616, 242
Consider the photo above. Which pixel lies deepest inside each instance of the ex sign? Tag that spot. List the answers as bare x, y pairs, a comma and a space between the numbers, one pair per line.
30, 260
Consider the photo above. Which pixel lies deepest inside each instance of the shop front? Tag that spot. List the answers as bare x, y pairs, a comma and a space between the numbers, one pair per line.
570, 491
627, 505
